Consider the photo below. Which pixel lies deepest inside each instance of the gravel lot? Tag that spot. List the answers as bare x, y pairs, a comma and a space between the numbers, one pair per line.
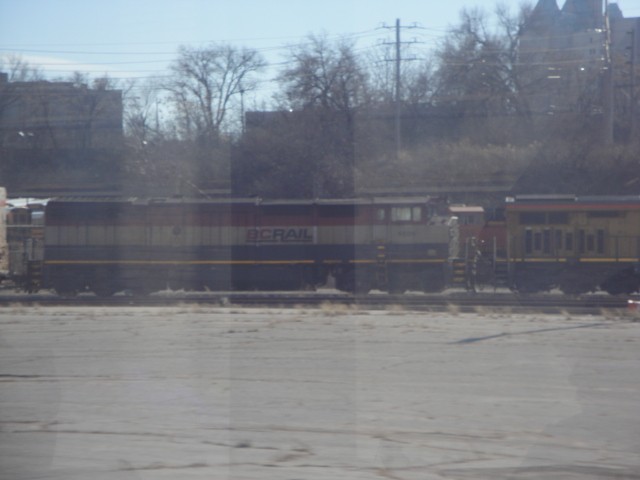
213, 393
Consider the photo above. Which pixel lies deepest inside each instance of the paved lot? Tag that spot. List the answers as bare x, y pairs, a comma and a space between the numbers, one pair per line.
210, 393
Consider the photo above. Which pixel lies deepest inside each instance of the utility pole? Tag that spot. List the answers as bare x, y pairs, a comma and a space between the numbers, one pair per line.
607, 83
398, 90
632, 96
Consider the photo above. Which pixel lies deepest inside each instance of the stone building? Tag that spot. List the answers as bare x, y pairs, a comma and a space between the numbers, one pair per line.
564, 55
58, 137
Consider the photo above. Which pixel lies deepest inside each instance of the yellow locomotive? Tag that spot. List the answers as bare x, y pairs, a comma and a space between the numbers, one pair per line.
576, 244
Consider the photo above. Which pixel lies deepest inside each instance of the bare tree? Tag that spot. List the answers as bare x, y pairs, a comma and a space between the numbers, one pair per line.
325, 76
141, 113
478, 76
19, 70
416, 75
325, 85
204, 82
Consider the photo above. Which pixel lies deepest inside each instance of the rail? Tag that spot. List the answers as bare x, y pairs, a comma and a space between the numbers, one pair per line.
456, 302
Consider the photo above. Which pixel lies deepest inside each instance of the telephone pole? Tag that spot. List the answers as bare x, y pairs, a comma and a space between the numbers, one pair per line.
607, 82
632, 99
398, 90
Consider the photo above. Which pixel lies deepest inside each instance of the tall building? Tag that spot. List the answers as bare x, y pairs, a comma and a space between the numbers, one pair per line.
564, 55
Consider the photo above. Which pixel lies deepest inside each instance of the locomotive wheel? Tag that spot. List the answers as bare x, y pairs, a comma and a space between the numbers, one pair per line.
533, 282
625, 282
577, 286
103, 286
140, 291
397, 282
434, 283
103, 290
573, 289
65, 291
349, 282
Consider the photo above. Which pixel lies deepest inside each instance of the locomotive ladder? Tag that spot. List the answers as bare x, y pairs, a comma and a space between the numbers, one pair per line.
459, 273
499, 267
500, 273
33, 277
465, 270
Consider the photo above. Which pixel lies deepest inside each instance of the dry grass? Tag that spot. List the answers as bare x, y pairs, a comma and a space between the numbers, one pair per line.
395, 308
330, 309
453, 309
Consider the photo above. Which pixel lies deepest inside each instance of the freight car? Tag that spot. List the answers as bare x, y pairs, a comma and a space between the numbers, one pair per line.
143, 245
576, 244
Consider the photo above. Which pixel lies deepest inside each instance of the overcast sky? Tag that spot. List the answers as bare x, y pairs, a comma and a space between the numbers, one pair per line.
138, 38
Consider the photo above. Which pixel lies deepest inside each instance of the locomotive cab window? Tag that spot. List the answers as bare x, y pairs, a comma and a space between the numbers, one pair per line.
406, 214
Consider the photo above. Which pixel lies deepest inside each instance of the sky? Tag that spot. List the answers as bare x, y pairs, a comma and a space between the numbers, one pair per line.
139, 38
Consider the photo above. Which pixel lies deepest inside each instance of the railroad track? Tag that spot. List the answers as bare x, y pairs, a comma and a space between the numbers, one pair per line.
453, 302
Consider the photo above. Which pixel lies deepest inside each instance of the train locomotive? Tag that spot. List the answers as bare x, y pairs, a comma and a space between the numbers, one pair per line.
140, 245
143, 245
577, 244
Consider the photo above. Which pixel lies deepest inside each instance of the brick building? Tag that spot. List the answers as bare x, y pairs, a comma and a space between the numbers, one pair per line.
59, 116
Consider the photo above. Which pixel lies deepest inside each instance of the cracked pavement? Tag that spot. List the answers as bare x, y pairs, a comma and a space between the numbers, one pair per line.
220, 393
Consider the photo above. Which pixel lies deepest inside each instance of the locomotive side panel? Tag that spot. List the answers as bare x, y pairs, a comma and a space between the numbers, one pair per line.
276, 247
577, 245
142, 245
